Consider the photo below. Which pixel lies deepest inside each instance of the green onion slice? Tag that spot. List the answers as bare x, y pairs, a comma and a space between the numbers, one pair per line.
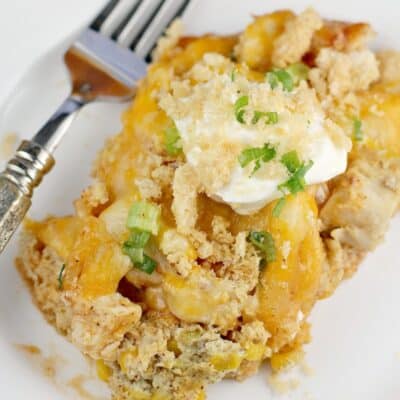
276, 212
264, 241
357, 130
271, 117
138, 239
291, 161
134, 249
135, 254
60, 277
240, 116
144, 216
148, 265
296, 183
172, 141
298, 72
280, 76
241, 102
134, 246
288, 77
257, 154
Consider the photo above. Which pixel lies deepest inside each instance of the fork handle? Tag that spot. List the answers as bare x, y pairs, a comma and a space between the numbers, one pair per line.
22, 174
26, 169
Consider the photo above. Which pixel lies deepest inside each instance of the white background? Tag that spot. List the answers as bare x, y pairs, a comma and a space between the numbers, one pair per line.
28, 28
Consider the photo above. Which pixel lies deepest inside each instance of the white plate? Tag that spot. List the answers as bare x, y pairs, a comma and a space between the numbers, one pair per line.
355, 347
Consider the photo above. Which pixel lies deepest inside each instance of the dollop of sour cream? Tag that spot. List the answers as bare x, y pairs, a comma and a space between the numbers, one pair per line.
247, 194
203, 113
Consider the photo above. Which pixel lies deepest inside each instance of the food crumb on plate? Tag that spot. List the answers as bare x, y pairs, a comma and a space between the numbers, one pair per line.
47, 364
281, 385
305, 368
29, 349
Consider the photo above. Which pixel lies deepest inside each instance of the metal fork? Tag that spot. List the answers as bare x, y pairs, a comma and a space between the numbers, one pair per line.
105, 63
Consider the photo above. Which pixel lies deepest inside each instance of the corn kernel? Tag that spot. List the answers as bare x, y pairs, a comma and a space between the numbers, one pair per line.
160, 396
125, 357
103, 371
138, 395
201, 395
175, 281
255, 352
224, 362
191, 253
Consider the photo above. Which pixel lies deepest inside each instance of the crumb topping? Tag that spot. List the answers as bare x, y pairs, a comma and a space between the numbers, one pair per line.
296, 38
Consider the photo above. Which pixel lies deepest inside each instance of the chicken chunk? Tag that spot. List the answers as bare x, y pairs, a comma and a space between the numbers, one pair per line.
358, 212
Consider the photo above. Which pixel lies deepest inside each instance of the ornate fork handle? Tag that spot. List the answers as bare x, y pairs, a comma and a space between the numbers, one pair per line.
26, 169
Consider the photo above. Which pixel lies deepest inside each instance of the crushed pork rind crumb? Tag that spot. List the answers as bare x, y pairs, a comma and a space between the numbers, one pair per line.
184, 206
179, 251
342, 36
389, 66
340, 73
170, 39
295, 40
91, 198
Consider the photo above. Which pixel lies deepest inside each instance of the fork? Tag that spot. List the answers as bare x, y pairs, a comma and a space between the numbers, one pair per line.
104, 63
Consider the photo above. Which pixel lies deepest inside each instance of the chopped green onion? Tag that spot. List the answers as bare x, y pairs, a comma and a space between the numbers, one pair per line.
61, 277
257, 154
172, 141
357, 130
298, 71
144, 216
241, 102
291, 161
264, 241
256, 117
271, 117
233, 75
266, 153
148, 265
293, 185
138, 239
276, 212
133, 247
135, 254
296, 183
240, 115
280, 76
288, 77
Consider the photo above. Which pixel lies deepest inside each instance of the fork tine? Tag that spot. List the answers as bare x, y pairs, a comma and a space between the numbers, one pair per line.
170, 9
104, 13
117, 16
138, 21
